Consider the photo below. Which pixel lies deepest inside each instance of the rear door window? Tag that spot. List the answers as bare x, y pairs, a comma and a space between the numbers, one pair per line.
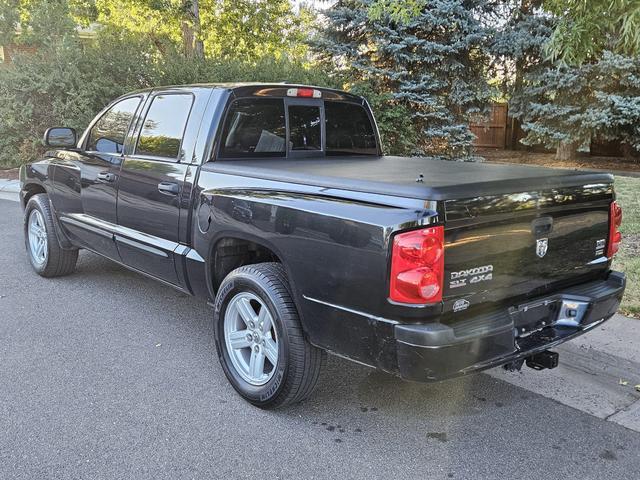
164, 126
255, 128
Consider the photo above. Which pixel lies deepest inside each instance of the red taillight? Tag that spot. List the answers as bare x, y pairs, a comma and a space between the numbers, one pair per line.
615, 237
417, 266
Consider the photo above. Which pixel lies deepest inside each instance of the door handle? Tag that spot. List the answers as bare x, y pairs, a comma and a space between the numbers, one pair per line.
106, 177
169, 188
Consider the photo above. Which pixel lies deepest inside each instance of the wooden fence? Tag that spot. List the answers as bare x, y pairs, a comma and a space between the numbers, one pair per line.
498, 130
491, 132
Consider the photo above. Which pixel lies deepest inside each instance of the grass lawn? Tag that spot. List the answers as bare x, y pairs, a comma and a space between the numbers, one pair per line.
628, 259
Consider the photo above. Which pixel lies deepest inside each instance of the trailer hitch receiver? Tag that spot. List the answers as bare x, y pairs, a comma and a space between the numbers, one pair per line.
542, 360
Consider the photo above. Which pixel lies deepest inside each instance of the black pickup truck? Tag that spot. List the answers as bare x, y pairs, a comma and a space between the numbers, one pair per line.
276, 204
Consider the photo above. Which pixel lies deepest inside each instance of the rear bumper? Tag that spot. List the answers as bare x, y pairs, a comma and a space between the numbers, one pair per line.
432, 352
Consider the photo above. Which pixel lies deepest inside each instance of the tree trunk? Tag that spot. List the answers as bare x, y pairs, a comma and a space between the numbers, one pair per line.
159, 45
628, 152
198, 43
192, 44
187, 39
567, 151
526, 8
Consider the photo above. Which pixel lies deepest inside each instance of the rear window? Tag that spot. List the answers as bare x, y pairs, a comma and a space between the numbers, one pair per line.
257, 127
349, 129
304, 125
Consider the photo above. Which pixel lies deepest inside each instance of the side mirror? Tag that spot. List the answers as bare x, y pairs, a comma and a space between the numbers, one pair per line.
60, 137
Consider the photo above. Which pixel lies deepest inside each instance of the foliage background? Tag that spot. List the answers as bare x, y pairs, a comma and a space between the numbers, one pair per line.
433, 65
66, 80
569, 70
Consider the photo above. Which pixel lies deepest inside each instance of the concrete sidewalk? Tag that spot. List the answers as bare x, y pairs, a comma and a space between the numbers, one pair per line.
599, 373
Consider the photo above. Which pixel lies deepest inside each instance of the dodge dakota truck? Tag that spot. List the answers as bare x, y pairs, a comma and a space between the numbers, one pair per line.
275, 203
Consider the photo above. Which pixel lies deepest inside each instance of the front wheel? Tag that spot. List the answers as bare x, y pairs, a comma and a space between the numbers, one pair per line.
45, 254
259, 338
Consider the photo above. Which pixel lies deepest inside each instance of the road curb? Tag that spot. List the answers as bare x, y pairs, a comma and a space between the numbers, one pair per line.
9, 186
629, 417
9, 196
9, 190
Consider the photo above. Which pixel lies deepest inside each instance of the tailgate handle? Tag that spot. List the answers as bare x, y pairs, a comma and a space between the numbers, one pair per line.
542, 226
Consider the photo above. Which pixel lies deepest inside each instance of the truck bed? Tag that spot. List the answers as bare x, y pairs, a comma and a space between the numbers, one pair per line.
396, 176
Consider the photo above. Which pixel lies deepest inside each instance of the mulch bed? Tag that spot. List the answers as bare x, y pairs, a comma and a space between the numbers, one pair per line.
548, 160
10, 174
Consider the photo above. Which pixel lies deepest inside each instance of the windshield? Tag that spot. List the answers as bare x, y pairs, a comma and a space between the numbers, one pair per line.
269, 128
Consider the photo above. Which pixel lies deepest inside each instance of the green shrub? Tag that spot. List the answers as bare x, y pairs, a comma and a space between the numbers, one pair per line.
36, 92
181, 70
67, 83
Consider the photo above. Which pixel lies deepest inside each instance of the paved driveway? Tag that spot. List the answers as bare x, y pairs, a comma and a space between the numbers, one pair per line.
106, 374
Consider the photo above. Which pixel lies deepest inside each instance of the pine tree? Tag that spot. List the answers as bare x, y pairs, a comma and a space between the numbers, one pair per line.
614, 113
517, 47
433, 63
517, 52
554, 108
549, 100
563, 105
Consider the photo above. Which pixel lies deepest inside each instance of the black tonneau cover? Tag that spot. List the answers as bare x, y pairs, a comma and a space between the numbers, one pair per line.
397, 176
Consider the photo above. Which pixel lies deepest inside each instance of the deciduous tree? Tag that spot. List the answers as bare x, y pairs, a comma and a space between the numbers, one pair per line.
587, 28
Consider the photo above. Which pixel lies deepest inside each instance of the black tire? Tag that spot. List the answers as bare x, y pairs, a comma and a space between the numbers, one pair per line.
299, 362
58, 261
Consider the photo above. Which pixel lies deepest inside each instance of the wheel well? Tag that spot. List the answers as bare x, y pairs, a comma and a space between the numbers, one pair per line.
231, 253
32, 189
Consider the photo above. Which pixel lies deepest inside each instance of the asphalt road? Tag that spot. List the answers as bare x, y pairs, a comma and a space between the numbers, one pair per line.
106, 374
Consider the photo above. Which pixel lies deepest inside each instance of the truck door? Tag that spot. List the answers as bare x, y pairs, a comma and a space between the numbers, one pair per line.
151, 182
86, 180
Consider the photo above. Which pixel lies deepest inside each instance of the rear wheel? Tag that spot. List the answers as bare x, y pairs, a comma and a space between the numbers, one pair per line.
259, 338
45, 254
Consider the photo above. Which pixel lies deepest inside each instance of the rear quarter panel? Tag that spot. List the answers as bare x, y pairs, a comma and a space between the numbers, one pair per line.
335, 251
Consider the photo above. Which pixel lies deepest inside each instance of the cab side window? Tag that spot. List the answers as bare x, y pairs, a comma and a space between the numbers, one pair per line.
164, 126
108, 134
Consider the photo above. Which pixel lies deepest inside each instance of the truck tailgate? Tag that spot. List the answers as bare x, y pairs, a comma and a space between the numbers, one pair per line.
521, 245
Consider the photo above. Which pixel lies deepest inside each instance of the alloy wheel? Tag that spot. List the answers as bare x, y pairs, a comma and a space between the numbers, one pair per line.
251, 339
37, 237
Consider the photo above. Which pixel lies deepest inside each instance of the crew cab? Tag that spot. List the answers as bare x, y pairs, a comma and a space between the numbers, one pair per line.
275, 203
